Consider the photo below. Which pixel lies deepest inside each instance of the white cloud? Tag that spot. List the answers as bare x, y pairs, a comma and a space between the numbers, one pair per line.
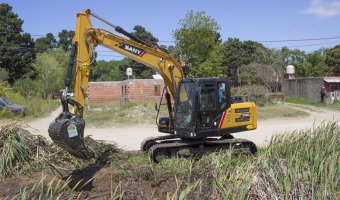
323, 8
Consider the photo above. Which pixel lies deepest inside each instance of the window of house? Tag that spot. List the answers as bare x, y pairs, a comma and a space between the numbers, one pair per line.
157, 90
124, 90
334, 87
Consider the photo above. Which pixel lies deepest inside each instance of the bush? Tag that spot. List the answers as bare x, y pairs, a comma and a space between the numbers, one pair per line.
254, 93
28, 87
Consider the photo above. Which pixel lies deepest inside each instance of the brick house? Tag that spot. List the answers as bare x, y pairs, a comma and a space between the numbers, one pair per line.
129, 90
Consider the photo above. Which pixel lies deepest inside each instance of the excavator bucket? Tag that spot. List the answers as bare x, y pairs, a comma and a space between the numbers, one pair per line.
67, 131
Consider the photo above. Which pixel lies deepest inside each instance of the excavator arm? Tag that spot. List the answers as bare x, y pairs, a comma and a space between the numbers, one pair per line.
67, 130
87, 38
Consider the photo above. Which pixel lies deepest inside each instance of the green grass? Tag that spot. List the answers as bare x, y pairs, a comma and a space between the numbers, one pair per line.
122, 114
271, 111
314, 102
300, 100
36, 107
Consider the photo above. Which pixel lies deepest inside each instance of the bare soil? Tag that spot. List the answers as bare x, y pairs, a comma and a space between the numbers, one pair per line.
112, 173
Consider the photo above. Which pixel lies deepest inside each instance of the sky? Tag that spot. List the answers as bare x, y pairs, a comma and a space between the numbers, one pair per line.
307, 25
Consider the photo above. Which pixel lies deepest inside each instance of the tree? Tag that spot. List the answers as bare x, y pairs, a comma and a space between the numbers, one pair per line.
212, 66
333, 59
17, 53
141, 33
292, 56
51, 67
297, 58
65, 39
237, 54
196, 38
45, 43
50, 73
107, 71
259, 74
318, 66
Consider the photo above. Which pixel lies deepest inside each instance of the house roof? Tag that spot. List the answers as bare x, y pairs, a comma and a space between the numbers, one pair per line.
332, 79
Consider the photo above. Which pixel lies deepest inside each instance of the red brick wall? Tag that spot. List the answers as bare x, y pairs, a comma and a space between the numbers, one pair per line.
101, 92
142, 89
129, 90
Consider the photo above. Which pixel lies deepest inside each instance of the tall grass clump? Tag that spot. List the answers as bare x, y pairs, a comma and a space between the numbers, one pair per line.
50, 189
301, 165
14, 153
22, 152
231, 175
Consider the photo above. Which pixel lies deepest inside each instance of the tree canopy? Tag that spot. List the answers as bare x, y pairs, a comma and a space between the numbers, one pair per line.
196, 40
65, 39
16, 52
107, 71
333, 59
46, 43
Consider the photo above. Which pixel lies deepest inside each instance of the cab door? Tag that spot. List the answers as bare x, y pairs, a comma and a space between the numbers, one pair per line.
213, 101
207, 104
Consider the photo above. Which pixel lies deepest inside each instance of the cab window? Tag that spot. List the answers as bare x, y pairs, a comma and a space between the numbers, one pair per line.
222, 96
207, 97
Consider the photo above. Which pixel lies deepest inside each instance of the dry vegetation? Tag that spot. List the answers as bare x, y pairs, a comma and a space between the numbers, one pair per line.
296, 165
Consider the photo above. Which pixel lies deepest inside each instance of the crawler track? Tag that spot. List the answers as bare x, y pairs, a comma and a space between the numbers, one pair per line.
163, 147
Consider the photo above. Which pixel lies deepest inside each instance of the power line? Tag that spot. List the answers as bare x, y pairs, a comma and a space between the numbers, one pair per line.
111, 56
262, 41
306, 45
299, 40
108, 51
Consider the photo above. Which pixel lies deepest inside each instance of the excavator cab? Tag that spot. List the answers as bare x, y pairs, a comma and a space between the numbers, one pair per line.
203, 108
200, 105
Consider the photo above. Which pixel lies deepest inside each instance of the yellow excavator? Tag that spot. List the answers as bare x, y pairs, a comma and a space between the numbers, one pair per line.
201, 116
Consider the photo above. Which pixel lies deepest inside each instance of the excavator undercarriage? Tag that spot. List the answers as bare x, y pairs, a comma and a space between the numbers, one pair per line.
159, 148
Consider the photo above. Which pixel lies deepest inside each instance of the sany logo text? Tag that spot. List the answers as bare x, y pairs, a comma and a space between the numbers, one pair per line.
134, 50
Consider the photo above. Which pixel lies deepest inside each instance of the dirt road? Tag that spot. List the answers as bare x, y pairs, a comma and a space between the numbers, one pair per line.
130, 138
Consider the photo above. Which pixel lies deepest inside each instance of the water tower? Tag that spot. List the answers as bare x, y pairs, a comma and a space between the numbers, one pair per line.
290, 72
129, 72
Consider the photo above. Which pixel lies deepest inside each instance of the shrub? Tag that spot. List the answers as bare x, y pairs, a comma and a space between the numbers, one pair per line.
28, 87
254, 93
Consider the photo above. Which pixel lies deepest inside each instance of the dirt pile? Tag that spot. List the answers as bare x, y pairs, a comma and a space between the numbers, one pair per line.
32, 167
